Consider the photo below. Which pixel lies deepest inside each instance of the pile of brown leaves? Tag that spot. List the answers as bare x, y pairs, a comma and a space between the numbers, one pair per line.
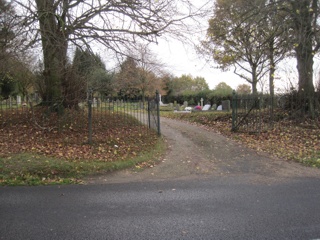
113, 137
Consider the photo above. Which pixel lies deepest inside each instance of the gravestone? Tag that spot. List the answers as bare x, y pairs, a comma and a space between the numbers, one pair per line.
206, 107
141, 103
94, 102
226, 105
98, 102
214, 107
18, 100
185, 104
160, 101
219, 108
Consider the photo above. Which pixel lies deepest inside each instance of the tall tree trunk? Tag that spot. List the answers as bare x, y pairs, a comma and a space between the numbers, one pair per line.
54, 45
305, 70
304, 53
272, 68
271, 75
254, 80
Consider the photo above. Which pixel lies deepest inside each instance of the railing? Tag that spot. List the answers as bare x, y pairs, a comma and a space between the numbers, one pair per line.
258, 113
91, 115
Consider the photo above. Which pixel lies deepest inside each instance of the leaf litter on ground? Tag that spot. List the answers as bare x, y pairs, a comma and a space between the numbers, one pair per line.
31, 155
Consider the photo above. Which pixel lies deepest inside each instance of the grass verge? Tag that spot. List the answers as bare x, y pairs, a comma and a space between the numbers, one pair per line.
35, 169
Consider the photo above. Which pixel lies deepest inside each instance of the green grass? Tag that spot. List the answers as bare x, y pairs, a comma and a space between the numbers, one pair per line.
198, 117
313, 161
34, 169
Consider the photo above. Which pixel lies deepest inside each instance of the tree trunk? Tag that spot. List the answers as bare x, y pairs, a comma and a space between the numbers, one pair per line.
305, 70
272, 68
254, 80
304, 54
54, 45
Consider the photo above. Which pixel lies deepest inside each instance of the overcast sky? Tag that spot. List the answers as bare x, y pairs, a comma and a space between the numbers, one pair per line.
183, 59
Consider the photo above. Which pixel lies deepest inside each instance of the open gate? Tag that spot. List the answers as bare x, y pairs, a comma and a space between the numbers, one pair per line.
154, 113
251, 113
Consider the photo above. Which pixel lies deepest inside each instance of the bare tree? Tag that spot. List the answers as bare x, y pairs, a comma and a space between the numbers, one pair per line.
149, 70
115, 24
15, 74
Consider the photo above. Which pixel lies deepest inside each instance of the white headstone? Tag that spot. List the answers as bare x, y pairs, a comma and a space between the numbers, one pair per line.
18, 100
160, 101
206, 107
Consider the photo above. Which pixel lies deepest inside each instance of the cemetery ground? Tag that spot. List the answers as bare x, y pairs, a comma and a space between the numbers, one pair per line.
31, 156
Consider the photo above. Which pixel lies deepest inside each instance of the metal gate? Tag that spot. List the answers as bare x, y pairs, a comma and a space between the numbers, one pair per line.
147, 112
251, 113
154, 113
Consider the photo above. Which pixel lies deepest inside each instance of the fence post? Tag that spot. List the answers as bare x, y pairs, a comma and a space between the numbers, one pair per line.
90, 117
234, 109
149, 114
158, 112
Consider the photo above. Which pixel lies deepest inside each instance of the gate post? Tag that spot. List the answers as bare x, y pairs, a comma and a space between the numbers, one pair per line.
234, 110
158, 112
149, 114
90, 116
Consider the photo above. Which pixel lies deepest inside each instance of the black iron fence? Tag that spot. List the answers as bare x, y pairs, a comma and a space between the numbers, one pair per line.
91, 115
258, 113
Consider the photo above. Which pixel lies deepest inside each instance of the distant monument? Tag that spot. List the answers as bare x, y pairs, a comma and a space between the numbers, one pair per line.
160, 101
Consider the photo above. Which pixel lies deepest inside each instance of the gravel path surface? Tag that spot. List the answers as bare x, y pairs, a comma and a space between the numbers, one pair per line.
197, 152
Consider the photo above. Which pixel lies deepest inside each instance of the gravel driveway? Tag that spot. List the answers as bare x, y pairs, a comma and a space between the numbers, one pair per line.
198, 152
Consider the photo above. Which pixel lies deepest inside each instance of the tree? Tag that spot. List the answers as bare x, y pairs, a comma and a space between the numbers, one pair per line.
7, 86
101, 81
91, 72
223, 89
277, 47
167, 81
127, 78
187, 83
243, 35
15, 74
114, 24
24, 77
85, 62
200, 84
305, 37
243, 89
149, 70
182, 84
8, 32
233, 40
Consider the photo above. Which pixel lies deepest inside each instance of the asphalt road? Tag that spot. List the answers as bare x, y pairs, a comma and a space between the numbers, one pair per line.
205, 187
208, 208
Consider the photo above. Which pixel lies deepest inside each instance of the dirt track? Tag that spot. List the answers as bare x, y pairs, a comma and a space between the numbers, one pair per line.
197, 152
